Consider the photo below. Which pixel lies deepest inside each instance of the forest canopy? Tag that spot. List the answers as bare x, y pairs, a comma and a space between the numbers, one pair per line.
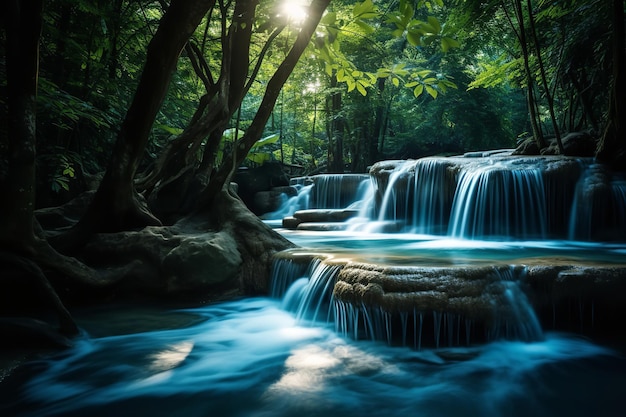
146, 109
383, 79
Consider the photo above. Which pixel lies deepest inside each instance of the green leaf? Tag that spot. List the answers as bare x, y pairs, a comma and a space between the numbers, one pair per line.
433, 93
365, 27
361, 88
171, 130
418, 90
230, 133
259, 157
360, 9
414, 37
398, 33
434, 23
395, 81
329, 18
383, 72
69, 171
398, 69
328, 68
447, 43
268, 140
445, 46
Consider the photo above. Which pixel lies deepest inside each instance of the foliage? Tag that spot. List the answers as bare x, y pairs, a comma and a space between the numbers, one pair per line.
380, 79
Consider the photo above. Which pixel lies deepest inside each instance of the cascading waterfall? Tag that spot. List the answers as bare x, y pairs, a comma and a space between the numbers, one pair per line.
495, 202
433, 190
419, 195
292, 204
328, 191
335, 191
284, 272
487, 198
310, 297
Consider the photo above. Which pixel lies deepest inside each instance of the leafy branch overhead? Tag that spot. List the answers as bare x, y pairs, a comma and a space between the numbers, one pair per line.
367, 20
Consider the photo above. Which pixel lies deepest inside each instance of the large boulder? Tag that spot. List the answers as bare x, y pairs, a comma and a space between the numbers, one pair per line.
202, 261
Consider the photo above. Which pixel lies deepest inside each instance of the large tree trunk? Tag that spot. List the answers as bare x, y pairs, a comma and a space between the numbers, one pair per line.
19, 244
116, 205
612, 146
24, 21
274, 86
176, 171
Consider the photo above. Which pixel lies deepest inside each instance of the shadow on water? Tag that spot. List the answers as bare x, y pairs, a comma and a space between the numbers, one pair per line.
288, 356
252, 358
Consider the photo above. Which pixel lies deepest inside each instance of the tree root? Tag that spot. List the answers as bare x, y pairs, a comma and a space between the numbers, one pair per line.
31, 271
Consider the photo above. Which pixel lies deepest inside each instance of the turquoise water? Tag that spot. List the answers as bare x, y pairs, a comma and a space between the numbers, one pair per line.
252, 358
430, 250
255, 357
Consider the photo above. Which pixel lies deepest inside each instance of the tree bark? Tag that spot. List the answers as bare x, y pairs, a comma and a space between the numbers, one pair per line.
544, 79
116, 205
24, 21
22, 249
215, 109
530, 95
335, 147
274, 86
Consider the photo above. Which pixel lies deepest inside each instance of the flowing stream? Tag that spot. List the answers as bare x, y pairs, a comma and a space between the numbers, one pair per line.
299, 352
254, 358
288, 355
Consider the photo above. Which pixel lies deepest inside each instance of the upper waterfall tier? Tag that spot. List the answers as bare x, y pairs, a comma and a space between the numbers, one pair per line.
500, 197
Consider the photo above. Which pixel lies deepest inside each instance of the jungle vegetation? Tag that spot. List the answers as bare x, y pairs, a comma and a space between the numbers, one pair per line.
155, 104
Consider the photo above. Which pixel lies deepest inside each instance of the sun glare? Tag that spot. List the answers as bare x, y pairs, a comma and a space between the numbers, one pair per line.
294, 10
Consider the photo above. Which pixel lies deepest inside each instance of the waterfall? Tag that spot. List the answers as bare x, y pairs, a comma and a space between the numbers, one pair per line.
395, 198
433, 190
292, 204
497, 202
332, 191
335, 191
284, 272
309, 296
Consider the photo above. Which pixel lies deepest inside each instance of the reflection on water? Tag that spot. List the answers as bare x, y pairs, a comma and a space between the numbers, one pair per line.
251, 358
430, 250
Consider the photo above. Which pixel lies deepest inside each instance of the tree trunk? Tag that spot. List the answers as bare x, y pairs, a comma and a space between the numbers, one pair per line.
274, 86
24, 21
530, 95
335, 156
379, 125
116, 205
18, 241
544, 79
211, 118
612, 146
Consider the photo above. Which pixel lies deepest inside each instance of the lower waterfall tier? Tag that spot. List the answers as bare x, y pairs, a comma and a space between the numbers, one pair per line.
459, 305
